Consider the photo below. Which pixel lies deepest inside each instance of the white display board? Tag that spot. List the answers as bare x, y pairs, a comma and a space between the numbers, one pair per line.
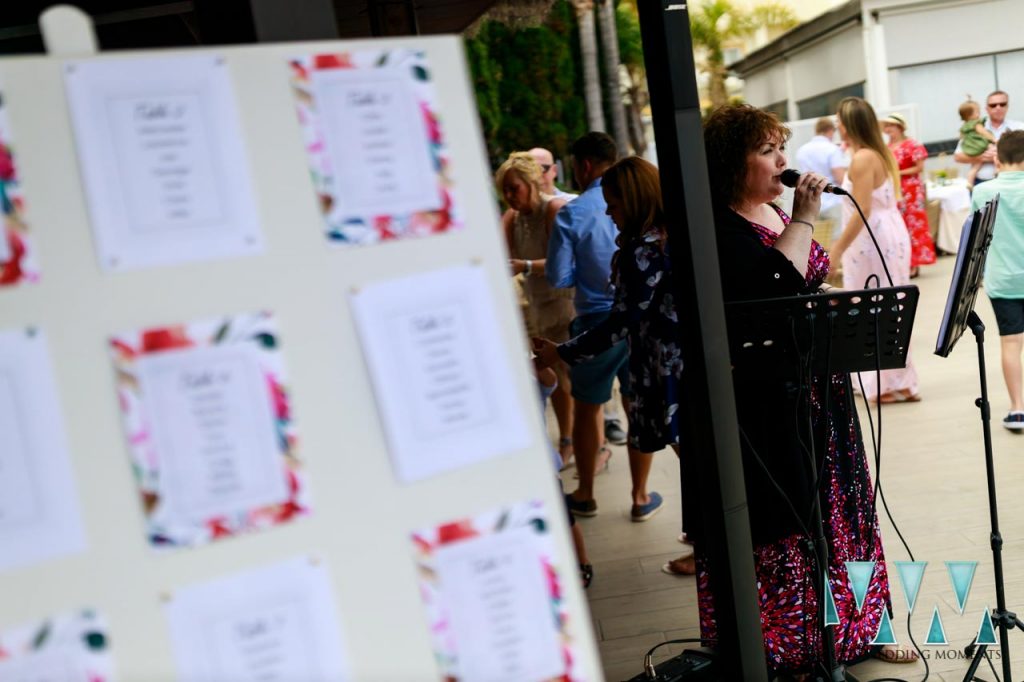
349, 513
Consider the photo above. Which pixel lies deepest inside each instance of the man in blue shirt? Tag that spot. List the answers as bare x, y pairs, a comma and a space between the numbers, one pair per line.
579, 255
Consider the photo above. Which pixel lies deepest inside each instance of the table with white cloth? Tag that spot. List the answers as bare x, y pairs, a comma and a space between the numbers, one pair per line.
954, 207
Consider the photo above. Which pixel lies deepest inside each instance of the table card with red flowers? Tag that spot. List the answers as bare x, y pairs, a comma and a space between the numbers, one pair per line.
17, 255
162, 160
493, 597
39, 517
433, 346
207, 417
71, 647
275, 622
372, 130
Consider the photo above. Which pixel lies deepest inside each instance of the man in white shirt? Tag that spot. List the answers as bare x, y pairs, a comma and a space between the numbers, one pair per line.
823, 156
549, 171
997, 105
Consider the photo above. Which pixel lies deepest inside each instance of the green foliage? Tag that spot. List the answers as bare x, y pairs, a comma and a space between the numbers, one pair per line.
528, 84
631, 49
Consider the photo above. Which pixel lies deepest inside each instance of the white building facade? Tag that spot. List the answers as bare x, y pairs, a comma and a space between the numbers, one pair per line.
932, 53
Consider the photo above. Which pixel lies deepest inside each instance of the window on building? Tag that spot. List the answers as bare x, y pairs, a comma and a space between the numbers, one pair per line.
827, 103
780, 109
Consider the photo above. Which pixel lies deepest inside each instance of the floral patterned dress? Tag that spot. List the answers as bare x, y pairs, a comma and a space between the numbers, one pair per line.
922, 248
643, 313
784, 565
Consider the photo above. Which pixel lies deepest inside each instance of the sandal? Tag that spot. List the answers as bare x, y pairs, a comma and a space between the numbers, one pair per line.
568, 460
685, 565
900, 396
586, 574
892, 653
602, 465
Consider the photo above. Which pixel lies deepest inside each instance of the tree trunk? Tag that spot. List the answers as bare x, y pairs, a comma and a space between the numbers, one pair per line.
612, 82
637, 134
717, 73
588, 53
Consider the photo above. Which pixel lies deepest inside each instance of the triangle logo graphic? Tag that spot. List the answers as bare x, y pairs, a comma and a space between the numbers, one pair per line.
986, 631
885, 635
961, 574
831, 614
859, 573
911, 574
936, 633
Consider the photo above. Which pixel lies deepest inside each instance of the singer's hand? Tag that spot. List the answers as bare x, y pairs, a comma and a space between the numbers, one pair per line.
807, 196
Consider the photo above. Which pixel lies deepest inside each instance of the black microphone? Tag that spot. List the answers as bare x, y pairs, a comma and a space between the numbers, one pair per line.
790, 177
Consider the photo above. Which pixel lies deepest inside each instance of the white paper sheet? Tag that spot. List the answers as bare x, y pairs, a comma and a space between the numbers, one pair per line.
214, 428
162, 160
440, 370
272, 624
39, 517
501, 618
377, 141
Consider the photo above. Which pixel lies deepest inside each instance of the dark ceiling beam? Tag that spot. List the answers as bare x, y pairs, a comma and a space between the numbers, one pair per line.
107, 18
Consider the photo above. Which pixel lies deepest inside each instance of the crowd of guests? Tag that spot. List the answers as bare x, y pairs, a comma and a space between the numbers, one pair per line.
599, 291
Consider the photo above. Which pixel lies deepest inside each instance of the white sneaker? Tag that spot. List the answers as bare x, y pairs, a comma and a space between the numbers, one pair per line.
1014, 421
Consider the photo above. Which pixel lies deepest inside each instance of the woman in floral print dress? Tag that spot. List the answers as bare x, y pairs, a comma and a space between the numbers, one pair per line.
643, 312
910, 155
765, 254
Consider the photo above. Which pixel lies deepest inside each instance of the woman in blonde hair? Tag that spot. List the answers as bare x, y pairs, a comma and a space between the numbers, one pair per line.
873, 179
527, 225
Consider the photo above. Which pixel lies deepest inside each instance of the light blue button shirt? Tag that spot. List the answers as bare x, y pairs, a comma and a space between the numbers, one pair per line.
580, 251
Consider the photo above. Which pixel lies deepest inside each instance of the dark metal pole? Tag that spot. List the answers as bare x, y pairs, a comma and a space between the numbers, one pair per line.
710, 415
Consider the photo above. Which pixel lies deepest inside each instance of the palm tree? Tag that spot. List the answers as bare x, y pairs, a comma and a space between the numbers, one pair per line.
588, 54
714, 23
612, 78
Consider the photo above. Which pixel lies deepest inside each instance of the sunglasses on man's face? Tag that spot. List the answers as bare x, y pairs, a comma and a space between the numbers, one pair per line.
545, 167
993, 105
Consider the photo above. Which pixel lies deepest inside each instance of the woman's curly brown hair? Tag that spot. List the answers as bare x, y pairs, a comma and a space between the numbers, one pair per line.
730, 133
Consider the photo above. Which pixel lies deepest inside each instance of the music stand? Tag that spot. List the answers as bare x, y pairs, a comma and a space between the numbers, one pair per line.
959, 316
823, 334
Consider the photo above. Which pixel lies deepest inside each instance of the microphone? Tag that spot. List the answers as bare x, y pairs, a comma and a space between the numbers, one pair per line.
790, 177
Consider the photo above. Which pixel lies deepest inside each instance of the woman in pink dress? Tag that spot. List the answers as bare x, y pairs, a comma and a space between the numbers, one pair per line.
910, 155
873, 181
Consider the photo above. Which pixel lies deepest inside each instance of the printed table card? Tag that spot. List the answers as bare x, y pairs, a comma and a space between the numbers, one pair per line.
208, 421
276, 623
162, 160
39, 517
69, 648
440, 370
378, 159
493, 598
17, 258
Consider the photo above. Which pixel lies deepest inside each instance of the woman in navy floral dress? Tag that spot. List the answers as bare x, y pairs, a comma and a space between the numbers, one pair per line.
643, 311
765, 254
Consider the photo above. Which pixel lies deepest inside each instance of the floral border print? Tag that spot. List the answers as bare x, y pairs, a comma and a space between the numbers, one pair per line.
377, 156
207, 416
523, 530
17, 257
74, 647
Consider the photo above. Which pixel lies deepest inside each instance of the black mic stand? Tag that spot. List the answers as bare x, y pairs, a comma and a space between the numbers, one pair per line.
959, 316
820, 335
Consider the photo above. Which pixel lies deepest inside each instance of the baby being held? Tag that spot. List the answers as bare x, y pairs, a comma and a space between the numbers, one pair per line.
974, 137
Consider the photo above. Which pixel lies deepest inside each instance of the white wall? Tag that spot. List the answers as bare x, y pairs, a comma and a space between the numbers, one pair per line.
828, 64
939, 31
